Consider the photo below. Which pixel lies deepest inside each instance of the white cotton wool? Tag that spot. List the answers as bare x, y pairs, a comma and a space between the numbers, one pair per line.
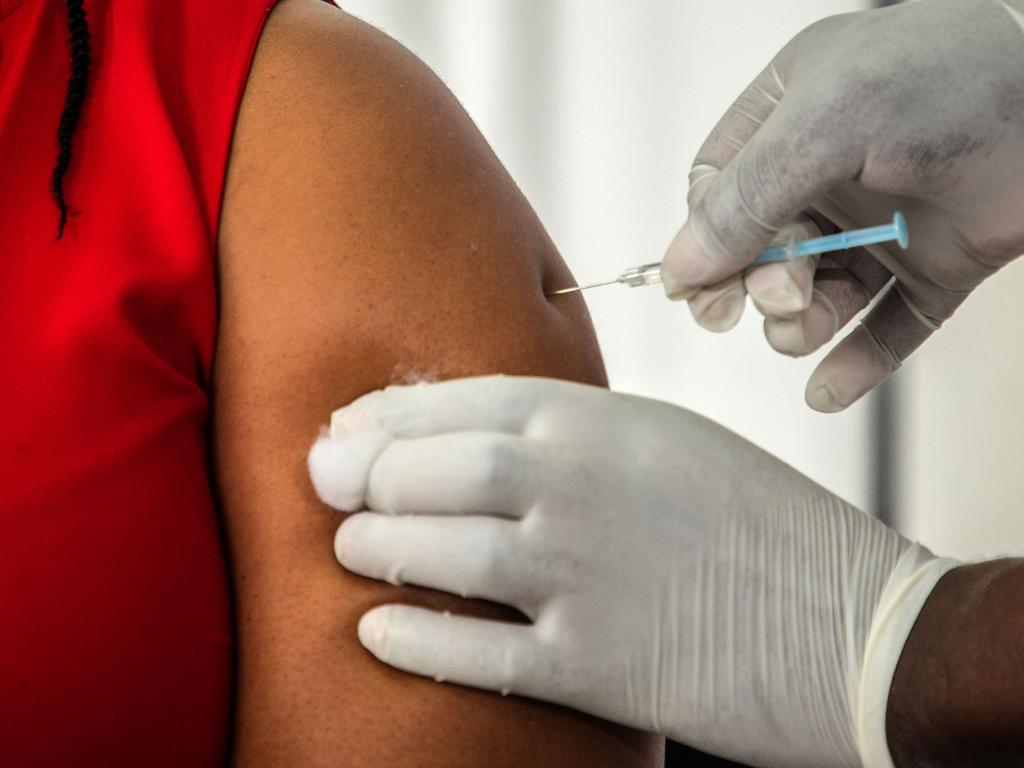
340, 466
355, 416
405, 376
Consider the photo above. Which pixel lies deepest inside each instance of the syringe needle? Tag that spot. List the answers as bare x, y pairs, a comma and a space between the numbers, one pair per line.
582, 287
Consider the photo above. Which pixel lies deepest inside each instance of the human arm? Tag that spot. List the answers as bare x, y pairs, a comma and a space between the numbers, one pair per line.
919, 108
368, 235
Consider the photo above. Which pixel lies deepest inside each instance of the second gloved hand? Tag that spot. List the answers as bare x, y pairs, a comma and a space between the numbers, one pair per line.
678, 579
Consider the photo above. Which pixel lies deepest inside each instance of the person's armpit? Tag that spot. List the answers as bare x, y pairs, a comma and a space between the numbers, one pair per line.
368, 236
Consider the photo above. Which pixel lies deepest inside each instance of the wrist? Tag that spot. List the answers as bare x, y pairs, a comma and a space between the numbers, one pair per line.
955, 696
897, 610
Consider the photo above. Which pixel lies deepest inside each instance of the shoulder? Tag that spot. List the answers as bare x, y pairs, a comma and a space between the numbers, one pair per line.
337, 119
313, 38
316, 66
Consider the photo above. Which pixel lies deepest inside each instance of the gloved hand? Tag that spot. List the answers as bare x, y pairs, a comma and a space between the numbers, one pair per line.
917, 108
678, 578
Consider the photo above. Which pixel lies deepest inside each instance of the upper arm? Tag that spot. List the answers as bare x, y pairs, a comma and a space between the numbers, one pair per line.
368, 235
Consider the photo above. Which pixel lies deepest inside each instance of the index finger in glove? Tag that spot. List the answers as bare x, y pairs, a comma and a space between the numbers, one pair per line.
340, 464
719, 307
484, 403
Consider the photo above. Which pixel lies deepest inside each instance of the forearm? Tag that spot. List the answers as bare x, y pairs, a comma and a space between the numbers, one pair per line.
957, 697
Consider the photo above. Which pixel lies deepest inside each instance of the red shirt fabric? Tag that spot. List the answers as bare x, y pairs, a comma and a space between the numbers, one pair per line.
115, 630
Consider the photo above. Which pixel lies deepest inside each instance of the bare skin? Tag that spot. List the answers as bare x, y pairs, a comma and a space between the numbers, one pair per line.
957, 697
368, 235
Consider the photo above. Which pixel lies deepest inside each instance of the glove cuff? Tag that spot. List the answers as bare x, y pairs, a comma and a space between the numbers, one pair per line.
911, 582
1016, 12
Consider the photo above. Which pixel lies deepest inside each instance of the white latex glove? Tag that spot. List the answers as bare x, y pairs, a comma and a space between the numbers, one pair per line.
678, 578
918, 108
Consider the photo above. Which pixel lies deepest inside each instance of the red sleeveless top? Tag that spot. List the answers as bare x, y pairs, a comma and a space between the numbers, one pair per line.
115, 625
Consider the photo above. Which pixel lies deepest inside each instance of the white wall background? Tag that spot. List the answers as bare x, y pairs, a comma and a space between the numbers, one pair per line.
961, 422
597, 108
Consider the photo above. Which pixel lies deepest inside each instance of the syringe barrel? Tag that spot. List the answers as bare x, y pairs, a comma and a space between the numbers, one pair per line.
843, 240
897, 230
776, 253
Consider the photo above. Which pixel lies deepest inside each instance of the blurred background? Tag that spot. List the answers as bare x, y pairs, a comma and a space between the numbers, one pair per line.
597, 108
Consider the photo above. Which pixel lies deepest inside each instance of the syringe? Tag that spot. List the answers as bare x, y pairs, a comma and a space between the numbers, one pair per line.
650, 274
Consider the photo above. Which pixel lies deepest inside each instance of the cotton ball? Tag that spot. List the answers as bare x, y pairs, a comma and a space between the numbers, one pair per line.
355, 416
340, 466
403, 376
